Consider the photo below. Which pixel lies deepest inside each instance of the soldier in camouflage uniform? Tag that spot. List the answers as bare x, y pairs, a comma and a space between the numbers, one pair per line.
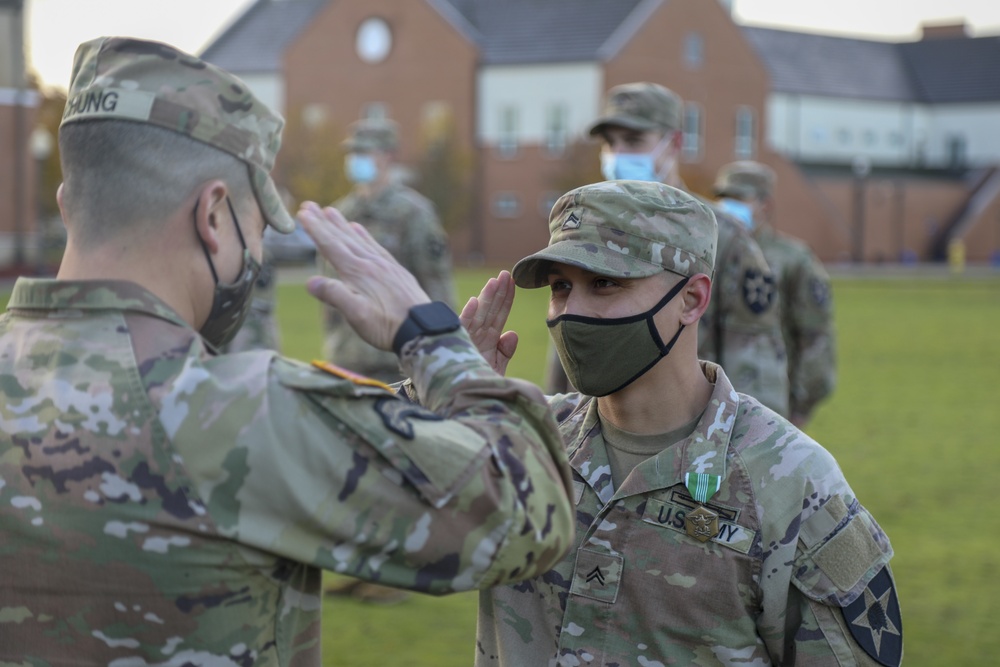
745, 189
640, 129
402, 221
161, 504
710, 530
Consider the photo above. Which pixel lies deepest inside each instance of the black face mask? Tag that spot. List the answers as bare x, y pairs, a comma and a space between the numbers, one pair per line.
231, 302
602, 356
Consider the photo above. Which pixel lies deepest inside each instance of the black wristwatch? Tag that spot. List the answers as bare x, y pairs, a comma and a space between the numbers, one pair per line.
426, 319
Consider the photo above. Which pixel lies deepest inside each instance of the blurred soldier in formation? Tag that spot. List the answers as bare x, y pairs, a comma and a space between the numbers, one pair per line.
161, 503
403, 222
710, 530
640, 130
745, 189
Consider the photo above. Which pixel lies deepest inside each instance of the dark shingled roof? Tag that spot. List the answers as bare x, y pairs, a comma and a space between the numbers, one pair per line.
544, 31
935, 71
809, 64
955, 69
256, 40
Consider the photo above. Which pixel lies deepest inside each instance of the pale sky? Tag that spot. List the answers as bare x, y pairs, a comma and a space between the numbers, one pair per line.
56, 27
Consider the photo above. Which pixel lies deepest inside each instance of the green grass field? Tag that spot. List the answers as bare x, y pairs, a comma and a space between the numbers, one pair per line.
914, 423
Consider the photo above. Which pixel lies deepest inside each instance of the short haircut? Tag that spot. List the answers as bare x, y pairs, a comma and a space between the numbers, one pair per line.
120, 176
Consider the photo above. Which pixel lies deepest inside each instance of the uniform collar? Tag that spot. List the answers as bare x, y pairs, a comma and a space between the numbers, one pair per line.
704, 451
89, 295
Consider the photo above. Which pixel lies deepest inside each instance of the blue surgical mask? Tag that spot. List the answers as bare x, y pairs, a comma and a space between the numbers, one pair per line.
739, 210
635, 166
628, 166
361, 168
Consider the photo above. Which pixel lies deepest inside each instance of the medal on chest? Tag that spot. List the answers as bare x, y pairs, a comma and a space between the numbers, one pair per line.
702, 523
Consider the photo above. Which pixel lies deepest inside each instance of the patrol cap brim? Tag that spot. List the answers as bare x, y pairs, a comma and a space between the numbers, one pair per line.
740, 192
270, 201
533, 271
628, 122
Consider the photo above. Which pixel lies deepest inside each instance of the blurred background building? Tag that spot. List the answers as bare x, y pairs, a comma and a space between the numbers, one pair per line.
885, 151
19, 168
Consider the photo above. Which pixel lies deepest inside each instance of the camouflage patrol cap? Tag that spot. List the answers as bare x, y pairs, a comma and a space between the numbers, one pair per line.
640, 106
745, 180
372, 134
625, 229
119, 78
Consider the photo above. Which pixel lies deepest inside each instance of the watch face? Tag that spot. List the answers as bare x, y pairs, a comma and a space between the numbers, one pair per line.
374, 40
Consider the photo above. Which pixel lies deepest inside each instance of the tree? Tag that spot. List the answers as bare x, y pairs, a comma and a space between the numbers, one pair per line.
444, 172
311, 163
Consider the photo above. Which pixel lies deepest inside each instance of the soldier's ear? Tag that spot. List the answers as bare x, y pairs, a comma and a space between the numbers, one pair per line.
209, 209
696, 295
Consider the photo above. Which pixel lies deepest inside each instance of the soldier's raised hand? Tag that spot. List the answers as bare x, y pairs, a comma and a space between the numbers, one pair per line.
484, 318
372, 290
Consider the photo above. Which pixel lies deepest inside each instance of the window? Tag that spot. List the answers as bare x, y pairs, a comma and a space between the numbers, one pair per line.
745, 133
694, 50
692, 131
844, 136
507, 145
870, 138
546, 202
374, 111
896, 138
506, 205
956, 150
314, 115
556, 129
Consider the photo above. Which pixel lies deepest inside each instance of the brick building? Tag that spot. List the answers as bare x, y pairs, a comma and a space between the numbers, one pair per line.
884, 151
18, 173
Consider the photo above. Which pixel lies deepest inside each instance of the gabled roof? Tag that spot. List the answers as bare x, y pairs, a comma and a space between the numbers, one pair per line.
532, 31
935, 71
257, 39
956, 69
809, 64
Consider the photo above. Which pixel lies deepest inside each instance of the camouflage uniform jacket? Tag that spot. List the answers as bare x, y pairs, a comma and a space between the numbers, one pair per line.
404, 223
741, 329
794, 545
806, 318
160, 505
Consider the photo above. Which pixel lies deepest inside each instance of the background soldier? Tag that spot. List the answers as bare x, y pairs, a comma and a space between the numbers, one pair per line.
640, 129
403, 222
745, 189
161, 502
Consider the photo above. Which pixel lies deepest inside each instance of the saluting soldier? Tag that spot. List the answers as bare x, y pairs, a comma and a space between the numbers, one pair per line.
710, 530
746, 191
160, 503
402, 221
640, 131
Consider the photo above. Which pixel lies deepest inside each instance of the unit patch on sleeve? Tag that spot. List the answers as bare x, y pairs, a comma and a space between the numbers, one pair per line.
758, 291
875, 622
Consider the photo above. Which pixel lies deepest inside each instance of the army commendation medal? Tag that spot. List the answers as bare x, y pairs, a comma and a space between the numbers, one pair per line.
702, 523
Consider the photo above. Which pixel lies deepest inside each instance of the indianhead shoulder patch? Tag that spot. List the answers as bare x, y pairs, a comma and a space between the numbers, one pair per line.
874, 620
758, 291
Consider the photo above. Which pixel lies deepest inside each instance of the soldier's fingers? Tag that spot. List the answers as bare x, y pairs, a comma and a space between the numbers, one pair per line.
331, 291
468, 315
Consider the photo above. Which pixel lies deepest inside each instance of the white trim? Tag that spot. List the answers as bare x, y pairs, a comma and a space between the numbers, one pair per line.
9, 97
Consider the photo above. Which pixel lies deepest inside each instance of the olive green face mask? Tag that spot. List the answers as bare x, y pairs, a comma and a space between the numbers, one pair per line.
602, 356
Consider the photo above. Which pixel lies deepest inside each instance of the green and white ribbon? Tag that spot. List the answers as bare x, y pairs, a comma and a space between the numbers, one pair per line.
702, 486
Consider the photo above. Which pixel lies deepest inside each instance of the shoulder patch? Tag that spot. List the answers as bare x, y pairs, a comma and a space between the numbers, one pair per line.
875, 622
337, 371
820, 292
758, 291
397, 413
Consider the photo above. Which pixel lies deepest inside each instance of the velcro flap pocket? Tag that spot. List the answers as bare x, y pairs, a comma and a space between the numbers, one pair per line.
840, 549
